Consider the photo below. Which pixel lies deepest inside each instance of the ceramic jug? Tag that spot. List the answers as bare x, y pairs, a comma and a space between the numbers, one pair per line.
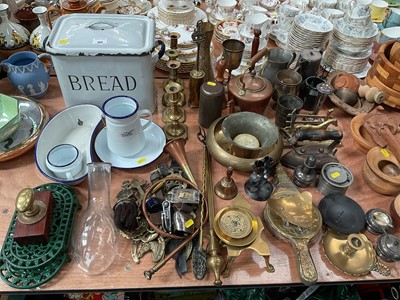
27, 73
40, 34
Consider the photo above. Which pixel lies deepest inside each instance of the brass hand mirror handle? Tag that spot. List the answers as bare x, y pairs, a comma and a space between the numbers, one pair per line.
305, 264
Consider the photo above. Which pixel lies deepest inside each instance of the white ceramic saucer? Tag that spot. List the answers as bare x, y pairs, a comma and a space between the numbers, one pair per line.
155, 142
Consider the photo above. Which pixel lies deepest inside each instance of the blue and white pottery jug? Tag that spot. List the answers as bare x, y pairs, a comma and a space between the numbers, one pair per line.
28, 74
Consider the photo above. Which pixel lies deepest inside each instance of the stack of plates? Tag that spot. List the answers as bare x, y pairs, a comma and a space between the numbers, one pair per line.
308, 31
226, 29
351, 63
350, 45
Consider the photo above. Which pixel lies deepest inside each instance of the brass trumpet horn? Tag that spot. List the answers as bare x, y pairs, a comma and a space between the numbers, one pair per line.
176, 149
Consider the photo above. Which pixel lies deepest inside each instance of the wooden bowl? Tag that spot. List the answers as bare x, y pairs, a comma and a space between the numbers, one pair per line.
361, 138
393, 50
386, 72
392, 97
381, 171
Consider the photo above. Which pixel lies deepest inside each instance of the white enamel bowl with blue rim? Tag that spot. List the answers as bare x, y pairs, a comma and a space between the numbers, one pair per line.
74, 125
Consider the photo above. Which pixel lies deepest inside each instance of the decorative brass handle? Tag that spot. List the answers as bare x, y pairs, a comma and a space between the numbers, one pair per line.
305, 264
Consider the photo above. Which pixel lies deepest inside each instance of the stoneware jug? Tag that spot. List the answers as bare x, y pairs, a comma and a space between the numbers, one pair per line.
27, 73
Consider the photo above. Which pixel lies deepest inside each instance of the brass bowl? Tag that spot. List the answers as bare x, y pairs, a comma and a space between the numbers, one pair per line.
251, 126
220, 149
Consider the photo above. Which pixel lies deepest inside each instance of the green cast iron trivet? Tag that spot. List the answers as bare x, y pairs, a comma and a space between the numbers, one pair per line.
28, 266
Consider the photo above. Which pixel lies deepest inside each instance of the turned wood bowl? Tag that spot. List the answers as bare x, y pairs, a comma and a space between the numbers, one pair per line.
381, 171
361, 138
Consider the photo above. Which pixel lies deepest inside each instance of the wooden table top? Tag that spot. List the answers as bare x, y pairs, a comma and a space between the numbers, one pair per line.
247, 270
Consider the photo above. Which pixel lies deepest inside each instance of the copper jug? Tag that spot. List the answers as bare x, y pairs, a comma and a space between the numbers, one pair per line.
250, 91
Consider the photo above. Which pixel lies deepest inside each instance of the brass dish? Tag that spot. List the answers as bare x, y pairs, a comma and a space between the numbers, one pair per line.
352, 254
299, 238
220, 149
227, 222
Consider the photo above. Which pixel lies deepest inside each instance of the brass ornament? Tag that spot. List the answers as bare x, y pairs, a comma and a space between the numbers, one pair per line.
240, 229
293, 217
352, 254
30, 211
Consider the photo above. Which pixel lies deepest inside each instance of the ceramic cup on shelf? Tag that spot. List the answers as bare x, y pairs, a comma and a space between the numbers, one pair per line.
226, 8
378, 10
392, 18
125, 136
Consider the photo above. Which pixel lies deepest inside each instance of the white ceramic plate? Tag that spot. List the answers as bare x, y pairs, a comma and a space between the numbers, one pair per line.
155, 142
74, 125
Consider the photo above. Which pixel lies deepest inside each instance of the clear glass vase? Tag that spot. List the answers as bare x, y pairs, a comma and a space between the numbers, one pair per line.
95, 238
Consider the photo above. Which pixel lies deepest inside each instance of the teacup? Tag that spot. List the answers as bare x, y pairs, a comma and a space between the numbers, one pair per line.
125, 133
392, 18
258, 21
65, 161
110, 6
389, 34
226, 7
378, 10
332, 14
321, 4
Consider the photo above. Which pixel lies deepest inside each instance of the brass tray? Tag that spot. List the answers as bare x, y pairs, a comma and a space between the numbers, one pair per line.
236, 226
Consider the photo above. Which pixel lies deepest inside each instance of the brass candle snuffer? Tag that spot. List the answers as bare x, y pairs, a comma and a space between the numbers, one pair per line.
292, 216
215, 262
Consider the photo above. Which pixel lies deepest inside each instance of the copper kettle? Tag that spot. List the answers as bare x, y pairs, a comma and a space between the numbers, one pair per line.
251, 92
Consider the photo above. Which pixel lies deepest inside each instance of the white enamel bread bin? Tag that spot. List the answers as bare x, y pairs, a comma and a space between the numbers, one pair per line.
98, 56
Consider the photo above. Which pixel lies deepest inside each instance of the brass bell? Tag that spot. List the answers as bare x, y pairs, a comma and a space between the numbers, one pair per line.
226, 188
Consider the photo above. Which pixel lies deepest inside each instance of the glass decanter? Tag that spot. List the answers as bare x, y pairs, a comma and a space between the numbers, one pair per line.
95, 238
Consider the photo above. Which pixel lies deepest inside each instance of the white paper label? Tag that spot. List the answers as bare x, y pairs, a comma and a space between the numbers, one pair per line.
100, 41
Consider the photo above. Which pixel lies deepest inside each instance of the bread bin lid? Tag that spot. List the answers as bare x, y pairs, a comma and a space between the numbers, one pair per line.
101, 34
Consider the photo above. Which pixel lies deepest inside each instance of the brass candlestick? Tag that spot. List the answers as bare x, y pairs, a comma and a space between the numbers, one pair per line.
197, 75
174, 128
173, 66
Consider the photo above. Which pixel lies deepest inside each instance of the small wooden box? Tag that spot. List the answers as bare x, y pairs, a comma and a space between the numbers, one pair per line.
38, 233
